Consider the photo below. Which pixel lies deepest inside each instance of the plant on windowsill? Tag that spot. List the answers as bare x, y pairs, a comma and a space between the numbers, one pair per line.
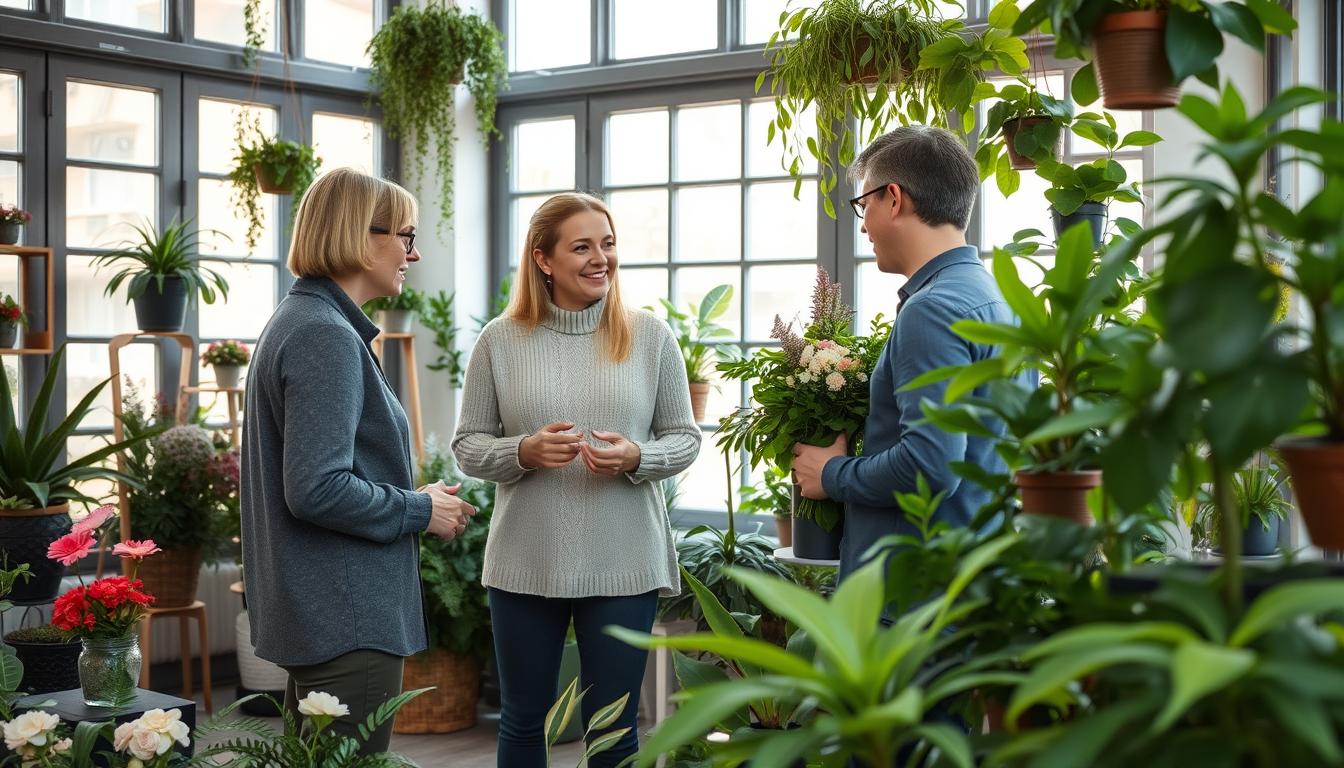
1256, 489
12, 219
1143, 49
773, 497
11, 320
695, 331
858, 58
163, 274
395, 313
417, 59
267, 165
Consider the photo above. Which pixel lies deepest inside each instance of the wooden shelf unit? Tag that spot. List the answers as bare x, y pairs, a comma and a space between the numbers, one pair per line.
37, 342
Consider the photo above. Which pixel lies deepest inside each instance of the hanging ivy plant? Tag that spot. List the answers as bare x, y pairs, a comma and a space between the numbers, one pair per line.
267, 165
254, 32
418, 57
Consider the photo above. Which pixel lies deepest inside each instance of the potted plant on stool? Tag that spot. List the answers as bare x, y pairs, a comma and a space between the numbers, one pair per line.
228, 359
394, 314
163, 275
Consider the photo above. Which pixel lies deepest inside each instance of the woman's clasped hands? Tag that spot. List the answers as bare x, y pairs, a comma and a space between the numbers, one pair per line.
553, 446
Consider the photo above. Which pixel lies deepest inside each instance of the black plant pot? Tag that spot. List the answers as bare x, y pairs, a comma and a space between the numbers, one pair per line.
24, 539
1256, 541
811, 541
9, 335
165, 311
48, 667
1093, 213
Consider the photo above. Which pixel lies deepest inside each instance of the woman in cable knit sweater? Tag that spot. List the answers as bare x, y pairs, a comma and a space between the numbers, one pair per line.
577, 408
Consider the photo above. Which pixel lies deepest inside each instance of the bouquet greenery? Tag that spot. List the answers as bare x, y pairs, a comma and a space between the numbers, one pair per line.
226, 353
812, 388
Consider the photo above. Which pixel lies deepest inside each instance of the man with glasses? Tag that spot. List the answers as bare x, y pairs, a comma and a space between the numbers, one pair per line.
918, 186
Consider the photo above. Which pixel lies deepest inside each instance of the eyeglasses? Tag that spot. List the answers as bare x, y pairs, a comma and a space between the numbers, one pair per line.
858, 203
408, 237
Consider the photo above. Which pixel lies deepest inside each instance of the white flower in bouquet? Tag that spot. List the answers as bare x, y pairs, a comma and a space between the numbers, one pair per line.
31, 728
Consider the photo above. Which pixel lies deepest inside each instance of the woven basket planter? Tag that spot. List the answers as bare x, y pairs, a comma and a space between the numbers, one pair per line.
172, 576
451, 706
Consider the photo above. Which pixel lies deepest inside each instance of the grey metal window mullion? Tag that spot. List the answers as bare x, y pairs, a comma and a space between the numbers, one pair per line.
727, 22
294, 12
181, 19
599, 44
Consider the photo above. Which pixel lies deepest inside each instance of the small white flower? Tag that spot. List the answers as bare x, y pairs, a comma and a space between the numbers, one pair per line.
789, 380
835, 381
808, 352
319, 703
805, 377
30, 728
862, 376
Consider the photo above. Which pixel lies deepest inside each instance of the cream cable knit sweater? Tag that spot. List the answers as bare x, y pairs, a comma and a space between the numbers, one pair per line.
568, 532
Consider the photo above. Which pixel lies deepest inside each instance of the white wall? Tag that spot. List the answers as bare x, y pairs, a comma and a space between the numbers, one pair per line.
456, 259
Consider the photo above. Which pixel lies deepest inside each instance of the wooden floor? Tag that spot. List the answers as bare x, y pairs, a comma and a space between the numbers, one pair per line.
466, 749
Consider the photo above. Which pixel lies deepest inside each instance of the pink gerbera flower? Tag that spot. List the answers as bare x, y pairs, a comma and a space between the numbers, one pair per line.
95, 519
136, 550
71, 548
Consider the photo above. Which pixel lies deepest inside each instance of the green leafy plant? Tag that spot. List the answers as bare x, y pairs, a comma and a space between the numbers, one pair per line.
285, 165
29, 464
1194, 35
254, 32
1097, 181
456, 609
696, 329
417, 58
228, 352
562, 712
498, 303
858, 58
11, 669
155, 257
437, 316
409, 300
1257, 491
774, 496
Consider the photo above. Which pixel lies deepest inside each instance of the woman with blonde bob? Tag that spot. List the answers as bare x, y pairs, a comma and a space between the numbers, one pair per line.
330, 514
577, 407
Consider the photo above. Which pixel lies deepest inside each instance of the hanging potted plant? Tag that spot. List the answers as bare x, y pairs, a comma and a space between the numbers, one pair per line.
417, 58
11, 319
861, 59
695, 331
36, 490
395, 314
271, 166
163, 274
1084, 192
1143, 49
228, 359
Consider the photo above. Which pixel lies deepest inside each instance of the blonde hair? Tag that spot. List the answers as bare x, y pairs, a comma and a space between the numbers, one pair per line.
331, 230
530, 304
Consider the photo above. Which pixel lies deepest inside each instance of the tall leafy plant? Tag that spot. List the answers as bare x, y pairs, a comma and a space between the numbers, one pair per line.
696, 330
417, 59
156, 256
456, 610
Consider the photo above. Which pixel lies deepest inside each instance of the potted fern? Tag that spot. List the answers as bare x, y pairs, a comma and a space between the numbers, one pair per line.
268, 165
163, 274
417, 59
864, 56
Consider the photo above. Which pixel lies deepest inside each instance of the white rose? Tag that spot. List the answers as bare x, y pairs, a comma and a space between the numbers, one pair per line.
146, 744
180, 732
121, 738
157, 720
319, 703
30, 728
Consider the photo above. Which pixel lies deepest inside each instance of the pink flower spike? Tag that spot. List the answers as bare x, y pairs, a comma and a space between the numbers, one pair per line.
136, 550
95, 519
71, 548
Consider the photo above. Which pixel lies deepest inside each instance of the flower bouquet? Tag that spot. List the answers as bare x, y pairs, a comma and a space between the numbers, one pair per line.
105, 614
812, 388
38, 739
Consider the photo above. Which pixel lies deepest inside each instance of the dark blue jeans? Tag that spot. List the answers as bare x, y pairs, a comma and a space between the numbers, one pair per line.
529, 640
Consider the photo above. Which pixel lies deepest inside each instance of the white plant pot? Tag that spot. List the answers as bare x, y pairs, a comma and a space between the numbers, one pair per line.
255, 673
396, 320
228, 376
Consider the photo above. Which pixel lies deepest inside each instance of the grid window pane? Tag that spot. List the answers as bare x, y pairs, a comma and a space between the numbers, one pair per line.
221, 21
547, 34
760, 18
643, 287
88, 310
11, 91
781, 289
111, 125
218, 143
223, 227
709, 142
10, 183
1001, 217
338, 31
709, 223
79, 446
250, 304
766, 158
23, 5
86, 366
543, 155
141, 14
523, 208
705, 484
641, 225
694, 282
876, 293
778, 226
637, 147
642, 28
341, 141
724, 399
98, 200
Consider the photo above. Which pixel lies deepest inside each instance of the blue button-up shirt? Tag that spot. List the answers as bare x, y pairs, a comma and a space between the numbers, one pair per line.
953, 286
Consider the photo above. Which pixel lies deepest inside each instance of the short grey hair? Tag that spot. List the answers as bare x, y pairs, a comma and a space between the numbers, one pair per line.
931, 165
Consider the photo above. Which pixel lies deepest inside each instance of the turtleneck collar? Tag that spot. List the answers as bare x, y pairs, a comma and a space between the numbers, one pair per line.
580, 323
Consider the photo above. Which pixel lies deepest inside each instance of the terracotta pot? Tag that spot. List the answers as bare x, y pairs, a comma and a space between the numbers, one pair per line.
1131, 56
867, 73
1316, 470
699, 397
267, 182
1058, 494
784, 530
451, 706
172, 576
1010, 130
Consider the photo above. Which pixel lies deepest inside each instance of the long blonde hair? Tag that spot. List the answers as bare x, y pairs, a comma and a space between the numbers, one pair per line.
530, 304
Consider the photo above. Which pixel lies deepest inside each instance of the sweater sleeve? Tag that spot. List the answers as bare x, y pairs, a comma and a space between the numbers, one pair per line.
323, 401
479, 444
676, 436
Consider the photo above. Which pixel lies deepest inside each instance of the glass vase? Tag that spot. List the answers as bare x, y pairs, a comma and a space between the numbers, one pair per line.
109, 670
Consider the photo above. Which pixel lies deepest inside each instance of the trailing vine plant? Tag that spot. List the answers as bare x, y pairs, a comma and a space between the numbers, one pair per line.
254, 32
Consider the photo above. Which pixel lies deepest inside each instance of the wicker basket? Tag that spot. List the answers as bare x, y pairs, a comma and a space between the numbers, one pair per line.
171, 576
451, 706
